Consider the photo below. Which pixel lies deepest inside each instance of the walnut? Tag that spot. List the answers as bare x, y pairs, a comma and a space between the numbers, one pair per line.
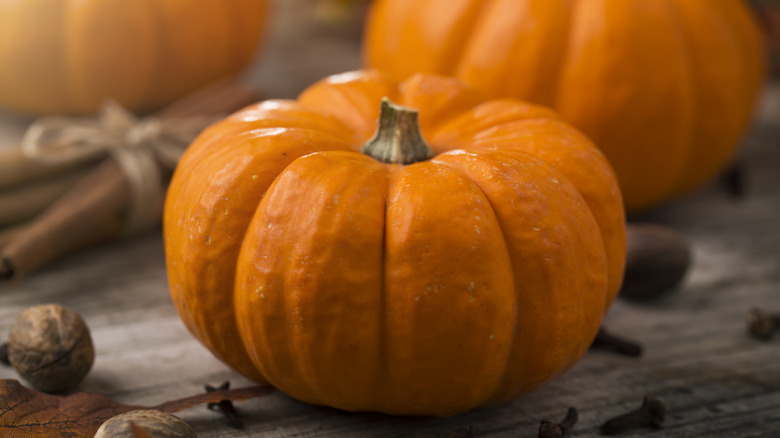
145, 423
50, 347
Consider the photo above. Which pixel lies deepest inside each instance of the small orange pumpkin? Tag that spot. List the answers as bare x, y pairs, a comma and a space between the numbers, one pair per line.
665, 87
406, 279
66, 57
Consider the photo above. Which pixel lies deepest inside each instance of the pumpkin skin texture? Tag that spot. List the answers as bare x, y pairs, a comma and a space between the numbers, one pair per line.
432, 288
66, 56
665, 88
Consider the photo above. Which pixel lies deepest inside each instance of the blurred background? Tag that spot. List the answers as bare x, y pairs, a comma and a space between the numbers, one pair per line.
696, 351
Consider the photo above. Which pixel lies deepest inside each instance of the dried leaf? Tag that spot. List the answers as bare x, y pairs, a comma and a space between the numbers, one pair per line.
28, 413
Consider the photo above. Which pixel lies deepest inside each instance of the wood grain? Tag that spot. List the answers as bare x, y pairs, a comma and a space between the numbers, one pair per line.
698, 358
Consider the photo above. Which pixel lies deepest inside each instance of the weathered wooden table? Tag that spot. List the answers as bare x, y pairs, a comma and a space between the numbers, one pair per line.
714, 378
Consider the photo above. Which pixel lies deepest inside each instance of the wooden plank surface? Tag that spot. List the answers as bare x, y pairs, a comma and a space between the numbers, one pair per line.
715, 380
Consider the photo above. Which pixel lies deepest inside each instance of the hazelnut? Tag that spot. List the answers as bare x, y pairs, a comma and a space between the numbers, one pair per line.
656, 262
50, 347
145, 423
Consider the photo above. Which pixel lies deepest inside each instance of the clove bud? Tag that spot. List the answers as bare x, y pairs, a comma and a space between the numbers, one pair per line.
733, 180
225, 407
548, 429
461, 432
605, 340
762, 325
652, 413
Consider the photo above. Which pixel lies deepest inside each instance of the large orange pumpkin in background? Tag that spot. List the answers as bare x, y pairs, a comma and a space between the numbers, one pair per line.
65, 56
664, 87
404, 279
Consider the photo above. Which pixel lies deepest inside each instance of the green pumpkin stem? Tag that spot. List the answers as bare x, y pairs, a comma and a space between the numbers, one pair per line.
398, 139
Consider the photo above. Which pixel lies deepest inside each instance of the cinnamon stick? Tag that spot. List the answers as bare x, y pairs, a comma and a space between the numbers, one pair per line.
222, 97
92, 210
98, 197
20, 203
9, 233
17, 169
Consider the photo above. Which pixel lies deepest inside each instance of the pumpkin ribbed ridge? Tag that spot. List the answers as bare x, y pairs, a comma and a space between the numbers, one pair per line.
67, 57
407, 289
629, 73
714, 131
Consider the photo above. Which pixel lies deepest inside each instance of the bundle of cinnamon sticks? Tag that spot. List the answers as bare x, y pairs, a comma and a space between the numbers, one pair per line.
50, 209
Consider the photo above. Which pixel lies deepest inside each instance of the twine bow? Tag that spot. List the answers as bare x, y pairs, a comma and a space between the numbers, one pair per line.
141, 147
